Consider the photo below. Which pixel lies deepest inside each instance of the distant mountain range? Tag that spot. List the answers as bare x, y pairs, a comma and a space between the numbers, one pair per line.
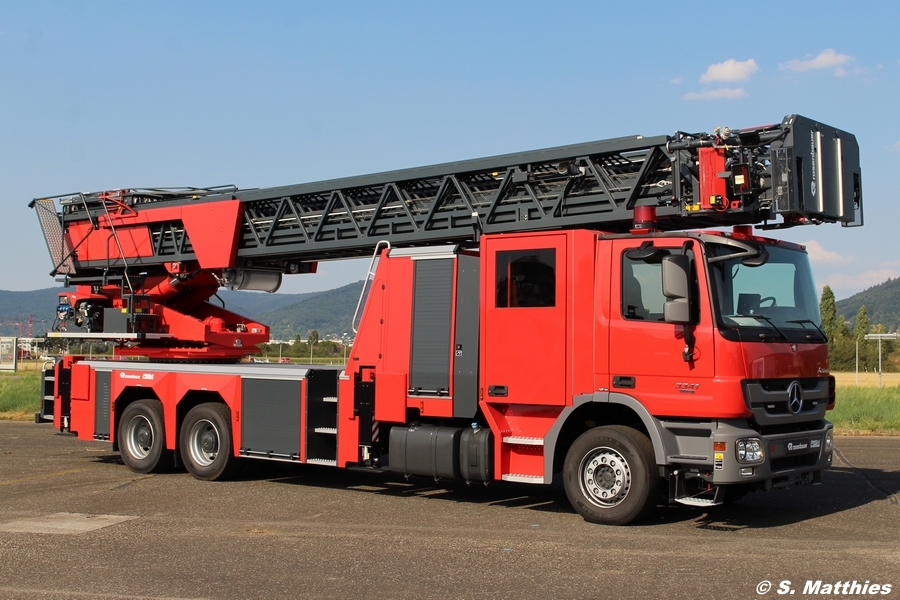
330, 312
882, 303
327, 312
288, 315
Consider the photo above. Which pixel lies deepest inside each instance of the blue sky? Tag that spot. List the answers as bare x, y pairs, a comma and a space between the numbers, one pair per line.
104, 95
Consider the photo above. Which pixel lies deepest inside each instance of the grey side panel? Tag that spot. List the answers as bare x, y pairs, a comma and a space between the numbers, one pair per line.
270, 417
432, 304
553, 433
101, 405
465, 370
651, 423
688, 442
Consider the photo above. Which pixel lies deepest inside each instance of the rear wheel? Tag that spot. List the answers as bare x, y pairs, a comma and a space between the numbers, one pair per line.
142, 437
206, 442
610, 475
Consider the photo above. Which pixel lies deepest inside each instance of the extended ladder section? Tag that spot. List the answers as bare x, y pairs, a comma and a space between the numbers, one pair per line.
796, 172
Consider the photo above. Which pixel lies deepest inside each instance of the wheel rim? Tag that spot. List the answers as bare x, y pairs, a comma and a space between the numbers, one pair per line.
204, 442
605, 477
139, 437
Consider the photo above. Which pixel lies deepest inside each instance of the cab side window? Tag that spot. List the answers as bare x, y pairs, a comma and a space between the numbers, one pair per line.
526, 278
642, 297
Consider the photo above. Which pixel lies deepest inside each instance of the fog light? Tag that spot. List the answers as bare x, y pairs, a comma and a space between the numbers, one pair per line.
829, 440
749, 450
746, 471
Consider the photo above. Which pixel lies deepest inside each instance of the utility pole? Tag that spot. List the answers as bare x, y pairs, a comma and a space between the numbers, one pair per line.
879, 337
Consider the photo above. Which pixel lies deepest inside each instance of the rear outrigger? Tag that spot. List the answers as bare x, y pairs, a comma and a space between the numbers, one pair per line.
549, 314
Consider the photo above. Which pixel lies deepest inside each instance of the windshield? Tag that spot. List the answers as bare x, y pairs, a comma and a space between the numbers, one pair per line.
764, 287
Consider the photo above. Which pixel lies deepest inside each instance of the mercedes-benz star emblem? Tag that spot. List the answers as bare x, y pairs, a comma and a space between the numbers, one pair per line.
795, 397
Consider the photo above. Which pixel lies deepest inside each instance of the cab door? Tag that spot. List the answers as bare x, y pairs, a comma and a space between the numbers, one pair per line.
524, 306
646, 354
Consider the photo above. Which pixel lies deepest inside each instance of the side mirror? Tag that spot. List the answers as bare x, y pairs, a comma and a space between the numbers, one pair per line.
676, 284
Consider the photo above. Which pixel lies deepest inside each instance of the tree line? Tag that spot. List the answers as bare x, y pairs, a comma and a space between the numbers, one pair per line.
301, 349
845, 341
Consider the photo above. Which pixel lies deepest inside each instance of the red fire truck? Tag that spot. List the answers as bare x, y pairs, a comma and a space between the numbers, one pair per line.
533, 316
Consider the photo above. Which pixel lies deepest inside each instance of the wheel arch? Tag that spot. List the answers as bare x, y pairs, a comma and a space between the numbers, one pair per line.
128, 396
594, 410
207, 441
194, 398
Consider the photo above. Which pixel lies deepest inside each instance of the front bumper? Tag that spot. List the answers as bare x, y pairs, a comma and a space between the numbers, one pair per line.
708, 451
788, 458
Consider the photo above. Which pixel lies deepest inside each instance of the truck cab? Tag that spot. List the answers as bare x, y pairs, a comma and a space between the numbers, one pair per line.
691, 358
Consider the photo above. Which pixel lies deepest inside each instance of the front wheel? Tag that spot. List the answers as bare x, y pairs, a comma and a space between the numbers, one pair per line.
206, 442
610, 476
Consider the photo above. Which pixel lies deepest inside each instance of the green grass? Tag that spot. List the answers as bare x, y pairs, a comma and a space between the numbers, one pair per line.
859, 410
20, 395
866, 411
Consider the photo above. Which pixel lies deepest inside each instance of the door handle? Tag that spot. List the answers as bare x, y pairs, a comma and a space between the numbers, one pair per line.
623, 382
497, 391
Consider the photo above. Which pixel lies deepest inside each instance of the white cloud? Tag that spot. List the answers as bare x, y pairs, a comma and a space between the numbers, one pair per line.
851, 284
895, 147
826, 59
719, 94
818, 254
730, 70
675, 80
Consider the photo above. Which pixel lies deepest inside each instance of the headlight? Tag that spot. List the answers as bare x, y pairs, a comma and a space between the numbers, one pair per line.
829, 440
749, 450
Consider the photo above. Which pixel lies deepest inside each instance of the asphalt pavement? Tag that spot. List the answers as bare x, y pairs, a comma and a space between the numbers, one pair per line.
76, 523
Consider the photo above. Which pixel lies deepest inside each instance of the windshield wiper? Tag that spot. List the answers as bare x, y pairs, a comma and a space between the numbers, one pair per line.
767, 320
813, 323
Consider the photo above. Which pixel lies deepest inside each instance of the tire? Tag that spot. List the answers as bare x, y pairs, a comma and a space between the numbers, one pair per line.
610, 475
206, 442
142, 437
